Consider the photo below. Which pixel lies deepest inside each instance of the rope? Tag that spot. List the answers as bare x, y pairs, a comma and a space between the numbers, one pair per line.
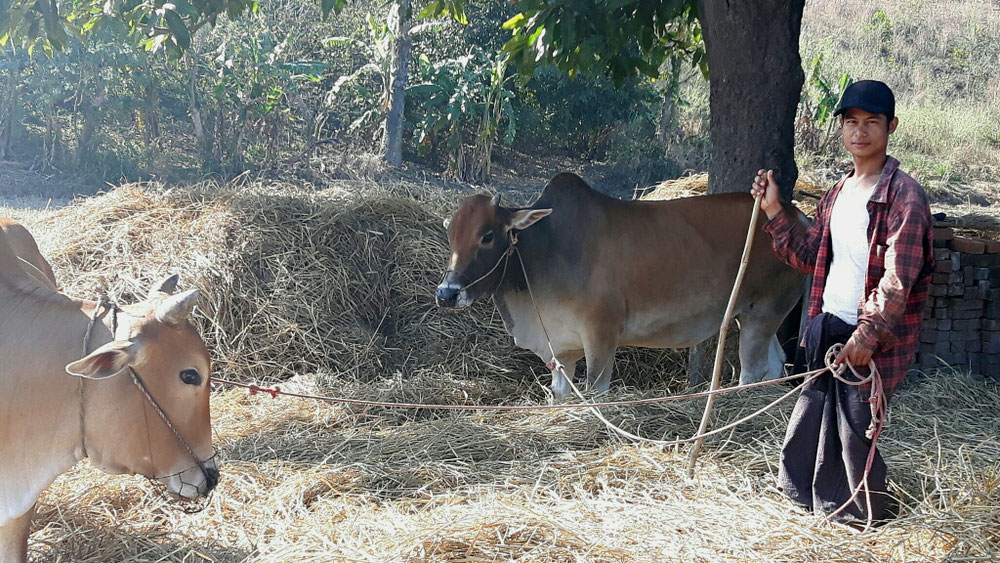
104, 302
101, 301
878, 404
723, 331
275, 392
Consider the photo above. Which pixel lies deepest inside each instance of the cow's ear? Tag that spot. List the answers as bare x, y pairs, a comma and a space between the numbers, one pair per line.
524, 218
167, 285
106, 361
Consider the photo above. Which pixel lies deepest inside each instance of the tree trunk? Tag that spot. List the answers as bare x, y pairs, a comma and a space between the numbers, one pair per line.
754, 86
668, 108
91, 117
8, 111
392, 139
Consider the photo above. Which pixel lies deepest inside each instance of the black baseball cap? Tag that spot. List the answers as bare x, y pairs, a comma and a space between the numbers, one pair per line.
870, 95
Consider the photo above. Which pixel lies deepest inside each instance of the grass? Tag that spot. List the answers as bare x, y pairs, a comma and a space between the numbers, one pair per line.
941, 60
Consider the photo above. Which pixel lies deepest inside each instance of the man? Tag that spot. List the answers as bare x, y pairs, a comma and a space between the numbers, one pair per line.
870, 253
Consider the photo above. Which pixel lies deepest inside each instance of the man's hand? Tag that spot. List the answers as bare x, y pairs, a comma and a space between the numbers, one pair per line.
765, 186
854, 352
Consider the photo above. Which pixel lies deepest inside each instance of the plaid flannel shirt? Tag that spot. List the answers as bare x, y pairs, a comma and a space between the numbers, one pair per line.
900, 263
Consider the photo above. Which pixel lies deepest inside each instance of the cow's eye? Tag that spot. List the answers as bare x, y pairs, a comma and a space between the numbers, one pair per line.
487, 238
191, 377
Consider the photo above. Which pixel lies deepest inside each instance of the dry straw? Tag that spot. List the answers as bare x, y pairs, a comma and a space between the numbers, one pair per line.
335, 286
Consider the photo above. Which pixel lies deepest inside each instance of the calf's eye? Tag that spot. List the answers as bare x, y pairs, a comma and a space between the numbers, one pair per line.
191, 377
487, 238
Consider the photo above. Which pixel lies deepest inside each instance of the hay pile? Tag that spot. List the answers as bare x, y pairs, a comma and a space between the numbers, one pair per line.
296, 280
806, 194
335, 285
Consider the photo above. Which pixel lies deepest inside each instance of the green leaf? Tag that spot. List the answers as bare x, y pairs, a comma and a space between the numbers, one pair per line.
327, 6
180, 31
515, 22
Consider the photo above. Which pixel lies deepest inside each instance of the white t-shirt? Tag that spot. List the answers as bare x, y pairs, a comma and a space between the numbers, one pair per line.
845, 282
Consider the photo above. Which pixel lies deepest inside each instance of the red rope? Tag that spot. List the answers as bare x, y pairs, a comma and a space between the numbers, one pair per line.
276, 391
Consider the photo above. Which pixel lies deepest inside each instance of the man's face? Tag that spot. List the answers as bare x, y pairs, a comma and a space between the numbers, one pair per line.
865, 134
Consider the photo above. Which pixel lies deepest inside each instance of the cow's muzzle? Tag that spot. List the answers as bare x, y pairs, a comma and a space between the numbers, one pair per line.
451, 293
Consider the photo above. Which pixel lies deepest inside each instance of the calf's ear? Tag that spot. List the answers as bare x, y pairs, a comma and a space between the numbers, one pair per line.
106, 361
524, 218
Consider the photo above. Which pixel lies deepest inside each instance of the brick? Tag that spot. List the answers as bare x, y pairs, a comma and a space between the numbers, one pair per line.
966, 324
938, 290
992, 246
930, 336
986, 260
969, 259
944, 266
935, 347
987, 324
968, 275
968, 314
956, 290
991, 337
990, 360
993, 294
962, 335
992, 311
942, 254
943, 233
982, 289
968, 246
981, 274
972, 292
991, 347
967, 304
942, 313
974, 347
945, 324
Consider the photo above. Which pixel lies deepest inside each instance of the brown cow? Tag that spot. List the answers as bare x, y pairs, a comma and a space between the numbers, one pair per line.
606, 273
32, 261
49, 419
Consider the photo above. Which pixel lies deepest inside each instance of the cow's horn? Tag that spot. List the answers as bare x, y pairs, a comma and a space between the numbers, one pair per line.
166, 285
495, 202
175, 309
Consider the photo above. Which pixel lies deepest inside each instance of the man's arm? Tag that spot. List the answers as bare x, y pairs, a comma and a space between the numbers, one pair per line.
909, 220
794, 244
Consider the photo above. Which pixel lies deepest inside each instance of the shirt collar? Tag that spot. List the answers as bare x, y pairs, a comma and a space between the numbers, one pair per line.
881, 193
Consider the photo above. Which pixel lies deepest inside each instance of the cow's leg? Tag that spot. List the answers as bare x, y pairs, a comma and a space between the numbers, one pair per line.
761, 357
599, 348
560, 385
14, 538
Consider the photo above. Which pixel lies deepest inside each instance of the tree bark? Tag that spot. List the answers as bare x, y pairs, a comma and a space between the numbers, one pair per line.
668, 106
755, 79
8, 111
91, 119
392, 138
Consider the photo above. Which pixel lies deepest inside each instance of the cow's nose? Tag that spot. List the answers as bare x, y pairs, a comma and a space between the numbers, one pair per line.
211, 478
446, 295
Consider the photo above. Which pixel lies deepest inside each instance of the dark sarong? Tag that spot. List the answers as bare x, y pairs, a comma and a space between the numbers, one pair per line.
825, 450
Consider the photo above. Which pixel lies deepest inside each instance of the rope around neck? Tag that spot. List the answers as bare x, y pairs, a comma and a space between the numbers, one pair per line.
104, 302
101, 302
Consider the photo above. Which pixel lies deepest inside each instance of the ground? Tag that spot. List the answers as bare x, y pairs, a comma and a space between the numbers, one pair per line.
307, 481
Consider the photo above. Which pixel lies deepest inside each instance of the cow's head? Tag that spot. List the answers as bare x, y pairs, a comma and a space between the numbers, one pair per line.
124, 431
479, 238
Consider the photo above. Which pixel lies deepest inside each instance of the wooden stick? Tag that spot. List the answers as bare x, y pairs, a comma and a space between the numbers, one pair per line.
726, 319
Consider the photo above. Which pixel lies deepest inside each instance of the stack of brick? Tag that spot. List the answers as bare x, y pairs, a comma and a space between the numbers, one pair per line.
962, 318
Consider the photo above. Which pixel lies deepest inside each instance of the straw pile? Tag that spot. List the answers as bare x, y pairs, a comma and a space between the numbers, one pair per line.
806, 194
298, 280
335, 286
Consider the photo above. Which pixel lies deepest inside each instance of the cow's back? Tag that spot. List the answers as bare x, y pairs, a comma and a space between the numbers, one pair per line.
673, 261
26, 252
